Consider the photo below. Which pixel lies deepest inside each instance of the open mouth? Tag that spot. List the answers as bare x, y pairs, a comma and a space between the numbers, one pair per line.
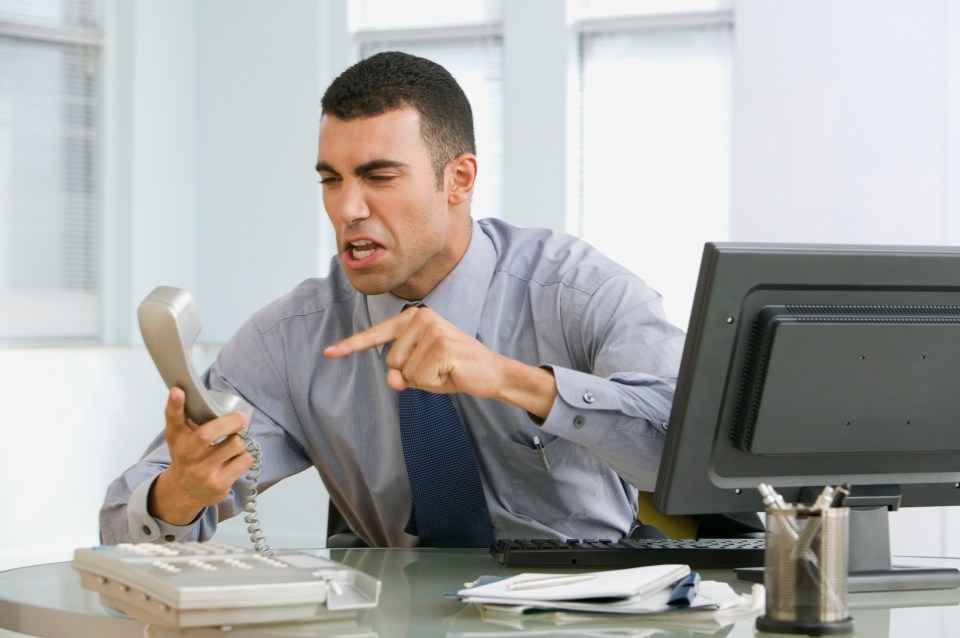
360, 252
362, 249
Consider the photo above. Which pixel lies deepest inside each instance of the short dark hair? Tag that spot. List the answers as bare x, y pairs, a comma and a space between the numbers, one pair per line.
392, 80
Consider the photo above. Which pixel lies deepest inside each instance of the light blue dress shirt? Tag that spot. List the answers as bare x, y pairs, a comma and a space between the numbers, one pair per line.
534, 295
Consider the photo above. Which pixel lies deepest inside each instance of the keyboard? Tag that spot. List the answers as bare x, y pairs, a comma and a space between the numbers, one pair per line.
713, 553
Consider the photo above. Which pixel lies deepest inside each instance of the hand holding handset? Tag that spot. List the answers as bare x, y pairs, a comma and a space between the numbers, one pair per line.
170, 325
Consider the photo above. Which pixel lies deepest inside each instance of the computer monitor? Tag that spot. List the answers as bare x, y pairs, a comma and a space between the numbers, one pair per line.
814, 365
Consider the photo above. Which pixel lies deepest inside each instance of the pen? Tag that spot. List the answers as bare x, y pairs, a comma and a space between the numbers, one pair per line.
824, 500
770, 497
685, 591
543, 456
840, 494
551, 581
773, 501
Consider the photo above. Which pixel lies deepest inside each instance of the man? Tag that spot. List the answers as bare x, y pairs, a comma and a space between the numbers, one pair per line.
530, 333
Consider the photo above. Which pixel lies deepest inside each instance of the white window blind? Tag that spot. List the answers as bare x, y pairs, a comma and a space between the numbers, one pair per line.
586, 9
465, 39
49, 52
655, 150
390, 15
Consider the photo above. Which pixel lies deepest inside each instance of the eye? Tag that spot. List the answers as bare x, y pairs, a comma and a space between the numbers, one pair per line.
381, 177
329, 180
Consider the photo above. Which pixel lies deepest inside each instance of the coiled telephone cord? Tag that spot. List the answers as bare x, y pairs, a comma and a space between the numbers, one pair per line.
250, 500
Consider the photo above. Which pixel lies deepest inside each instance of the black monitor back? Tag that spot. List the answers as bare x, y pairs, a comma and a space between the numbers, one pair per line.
809, 365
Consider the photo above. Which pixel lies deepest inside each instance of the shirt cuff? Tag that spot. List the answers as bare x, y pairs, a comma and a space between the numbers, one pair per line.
584, 407
145, 528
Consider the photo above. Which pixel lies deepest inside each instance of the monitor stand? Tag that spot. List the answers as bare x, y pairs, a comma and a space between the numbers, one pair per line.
869, 559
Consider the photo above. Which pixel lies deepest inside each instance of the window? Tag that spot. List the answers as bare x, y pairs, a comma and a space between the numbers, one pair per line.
49, 51
464, 38
655, 142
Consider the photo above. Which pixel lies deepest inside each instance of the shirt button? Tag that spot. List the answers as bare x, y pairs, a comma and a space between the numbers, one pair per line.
146, 529
169, 538
578, 422
589, 398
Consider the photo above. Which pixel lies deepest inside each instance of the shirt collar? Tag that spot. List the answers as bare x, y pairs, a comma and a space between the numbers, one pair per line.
472, 273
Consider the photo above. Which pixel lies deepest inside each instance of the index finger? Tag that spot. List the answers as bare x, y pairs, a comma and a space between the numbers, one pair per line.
383, 332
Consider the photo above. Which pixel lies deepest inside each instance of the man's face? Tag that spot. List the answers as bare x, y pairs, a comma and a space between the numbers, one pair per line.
380, 192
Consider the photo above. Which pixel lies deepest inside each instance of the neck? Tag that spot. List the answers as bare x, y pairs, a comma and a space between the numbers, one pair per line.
415, 289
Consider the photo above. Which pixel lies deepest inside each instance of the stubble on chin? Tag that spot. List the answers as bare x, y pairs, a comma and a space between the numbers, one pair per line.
372, 283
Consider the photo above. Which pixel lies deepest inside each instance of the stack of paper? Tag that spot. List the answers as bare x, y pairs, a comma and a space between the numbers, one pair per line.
651, 590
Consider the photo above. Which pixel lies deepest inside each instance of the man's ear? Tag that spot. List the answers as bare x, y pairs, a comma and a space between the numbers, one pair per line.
461, 176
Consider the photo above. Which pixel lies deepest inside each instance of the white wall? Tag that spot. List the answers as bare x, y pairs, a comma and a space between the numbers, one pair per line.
75, 418
259, 220
149, 154
539, 117
841, 121
210, 126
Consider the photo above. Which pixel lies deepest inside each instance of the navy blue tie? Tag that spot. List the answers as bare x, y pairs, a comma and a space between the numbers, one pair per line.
449, 508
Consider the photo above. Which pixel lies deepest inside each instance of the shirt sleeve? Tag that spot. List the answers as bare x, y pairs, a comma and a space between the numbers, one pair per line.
147, 529
616, 399
124, 516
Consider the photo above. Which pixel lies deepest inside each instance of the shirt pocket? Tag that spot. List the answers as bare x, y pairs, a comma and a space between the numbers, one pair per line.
576, 487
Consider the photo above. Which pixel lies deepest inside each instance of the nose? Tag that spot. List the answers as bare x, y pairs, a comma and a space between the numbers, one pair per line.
348, 203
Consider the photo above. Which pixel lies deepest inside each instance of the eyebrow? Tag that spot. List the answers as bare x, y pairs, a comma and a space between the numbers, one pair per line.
365, 168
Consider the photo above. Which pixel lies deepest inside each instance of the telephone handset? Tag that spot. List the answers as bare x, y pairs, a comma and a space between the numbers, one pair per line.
170, 325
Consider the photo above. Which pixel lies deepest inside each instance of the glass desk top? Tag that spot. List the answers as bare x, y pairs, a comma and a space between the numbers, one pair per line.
47, 600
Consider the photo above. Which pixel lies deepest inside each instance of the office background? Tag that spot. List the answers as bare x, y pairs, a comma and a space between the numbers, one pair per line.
648, 128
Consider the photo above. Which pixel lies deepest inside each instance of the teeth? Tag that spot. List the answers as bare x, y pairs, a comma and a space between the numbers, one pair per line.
361, 254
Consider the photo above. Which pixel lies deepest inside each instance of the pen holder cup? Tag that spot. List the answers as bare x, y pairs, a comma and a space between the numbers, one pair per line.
805, 571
